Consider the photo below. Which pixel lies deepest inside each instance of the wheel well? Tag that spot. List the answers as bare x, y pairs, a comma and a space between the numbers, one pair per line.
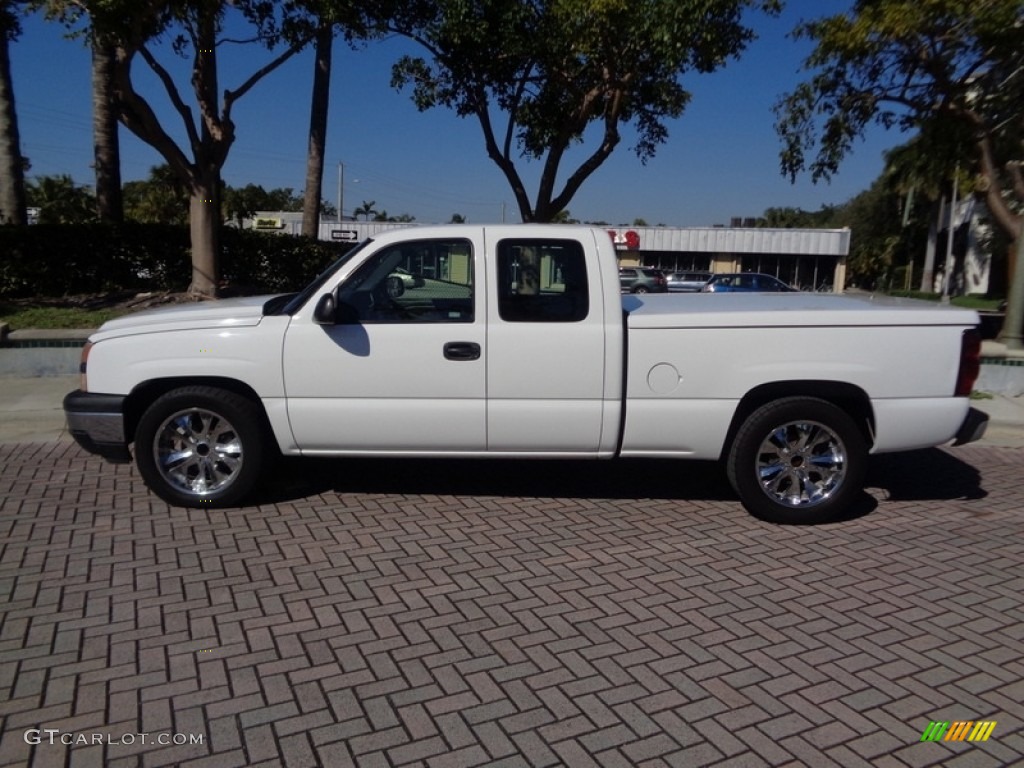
848, 397
144, 394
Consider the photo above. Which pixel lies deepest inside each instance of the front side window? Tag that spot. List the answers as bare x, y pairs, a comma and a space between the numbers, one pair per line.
426, 281
542, 281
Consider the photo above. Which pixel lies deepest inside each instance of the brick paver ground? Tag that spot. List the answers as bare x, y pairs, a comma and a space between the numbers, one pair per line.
514, 614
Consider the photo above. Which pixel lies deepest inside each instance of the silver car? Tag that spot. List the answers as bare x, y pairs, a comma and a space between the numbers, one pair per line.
687, 282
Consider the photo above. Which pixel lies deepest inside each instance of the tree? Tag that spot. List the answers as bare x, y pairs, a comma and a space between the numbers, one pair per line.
160, 199
796, 218
12, 173
317, 129
929, 65
60, 200
562, 67
244, 202
366, 209
106, 143
923, 168
195, 28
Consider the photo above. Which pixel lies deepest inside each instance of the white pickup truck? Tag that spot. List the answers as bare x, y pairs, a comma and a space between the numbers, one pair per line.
515, 342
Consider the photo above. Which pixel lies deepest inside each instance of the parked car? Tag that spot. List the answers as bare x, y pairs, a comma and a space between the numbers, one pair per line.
400, 280
642, 280
747, 282
687, 282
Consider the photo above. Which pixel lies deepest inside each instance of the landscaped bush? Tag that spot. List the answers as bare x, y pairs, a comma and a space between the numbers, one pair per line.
66, 260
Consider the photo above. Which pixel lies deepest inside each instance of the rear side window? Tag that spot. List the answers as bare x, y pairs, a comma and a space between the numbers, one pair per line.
542, 281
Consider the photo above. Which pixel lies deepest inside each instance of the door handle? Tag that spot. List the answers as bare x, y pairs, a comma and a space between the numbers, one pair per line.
462, 350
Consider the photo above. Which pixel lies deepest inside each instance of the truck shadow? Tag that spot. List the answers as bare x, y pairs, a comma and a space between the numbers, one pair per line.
931, 474
619, 479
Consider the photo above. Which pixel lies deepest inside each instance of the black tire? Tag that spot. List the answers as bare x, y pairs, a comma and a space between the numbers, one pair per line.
640, 289
201, 446
798, 461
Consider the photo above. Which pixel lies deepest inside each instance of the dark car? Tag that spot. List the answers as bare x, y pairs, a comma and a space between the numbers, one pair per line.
745, 281
688, 282
642, 280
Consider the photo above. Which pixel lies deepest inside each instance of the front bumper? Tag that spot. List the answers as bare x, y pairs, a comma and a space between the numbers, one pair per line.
973, 428
96, 421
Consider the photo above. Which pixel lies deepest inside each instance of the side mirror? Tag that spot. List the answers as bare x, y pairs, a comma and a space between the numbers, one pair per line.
326, 311
394, 286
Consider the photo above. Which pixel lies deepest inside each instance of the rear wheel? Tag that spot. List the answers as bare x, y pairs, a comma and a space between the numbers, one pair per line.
640, 289
798, 460
200, 446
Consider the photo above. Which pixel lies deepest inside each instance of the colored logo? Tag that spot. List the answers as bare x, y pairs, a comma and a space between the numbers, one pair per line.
959, 730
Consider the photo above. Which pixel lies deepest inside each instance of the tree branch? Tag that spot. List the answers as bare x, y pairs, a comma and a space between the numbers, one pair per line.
136, 114
506, 165
230, 97
172, 92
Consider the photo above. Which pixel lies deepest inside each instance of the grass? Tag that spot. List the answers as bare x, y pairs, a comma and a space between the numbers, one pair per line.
972, 301
20, 318
977, 302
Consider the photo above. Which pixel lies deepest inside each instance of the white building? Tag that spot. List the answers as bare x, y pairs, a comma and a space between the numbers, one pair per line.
813, 259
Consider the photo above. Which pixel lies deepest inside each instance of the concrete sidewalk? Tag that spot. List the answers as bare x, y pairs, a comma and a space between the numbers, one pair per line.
31, 411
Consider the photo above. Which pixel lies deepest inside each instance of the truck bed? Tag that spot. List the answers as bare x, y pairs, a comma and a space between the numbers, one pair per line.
738, 310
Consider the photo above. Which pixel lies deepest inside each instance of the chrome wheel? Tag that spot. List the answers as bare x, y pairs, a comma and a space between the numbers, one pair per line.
198, 451
798, 461
801, 464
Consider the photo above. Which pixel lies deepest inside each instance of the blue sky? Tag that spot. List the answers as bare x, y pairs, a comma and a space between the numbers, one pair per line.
720, 160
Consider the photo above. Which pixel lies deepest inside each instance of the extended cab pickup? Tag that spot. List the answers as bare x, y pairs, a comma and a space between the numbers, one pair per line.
514, 341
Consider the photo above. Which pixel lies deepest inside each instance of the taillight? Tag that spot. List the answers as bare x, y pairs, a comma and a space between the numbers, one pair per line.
970, 363
83, 383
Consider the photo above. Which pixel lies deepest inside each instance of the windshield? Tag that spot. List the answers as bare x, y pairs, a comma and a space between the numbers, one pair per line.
310, 290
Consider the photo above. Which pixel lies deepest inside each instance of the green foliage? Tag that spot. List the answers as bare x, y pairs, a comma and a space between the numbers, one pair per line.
55, 317
243, 203
160, 199
798, 218
970, 302
60, 200
65, 260
10, 25
259, 262
903, 63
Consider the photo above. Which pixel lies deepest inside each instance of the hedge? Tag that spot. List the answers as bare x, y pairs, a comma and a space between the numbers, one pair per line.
74, 259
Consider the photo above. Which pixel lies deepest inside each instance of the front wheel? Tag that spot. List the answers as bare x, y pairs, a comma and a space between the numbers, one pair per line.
798, 461
200, 446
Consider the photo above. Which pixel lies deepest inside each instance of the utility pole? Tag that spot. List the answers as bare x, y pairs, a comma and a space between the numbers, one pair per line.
341, 191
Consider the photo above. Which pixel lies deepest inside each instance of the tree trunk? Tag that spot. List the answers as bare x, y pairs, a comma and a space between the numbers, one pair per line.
12, 171
204, 227
106, 144
318, 133
1013, 323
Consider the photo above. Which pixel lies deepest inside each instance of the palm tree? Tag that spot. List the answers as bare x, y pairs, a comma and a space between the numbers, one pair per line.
106, 144
12, 169
61, 201
366, 209
317, 130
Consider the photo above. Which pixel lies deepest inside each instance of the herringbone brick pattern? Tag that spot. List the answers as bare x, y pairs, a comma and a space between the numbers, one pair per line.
454, 614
